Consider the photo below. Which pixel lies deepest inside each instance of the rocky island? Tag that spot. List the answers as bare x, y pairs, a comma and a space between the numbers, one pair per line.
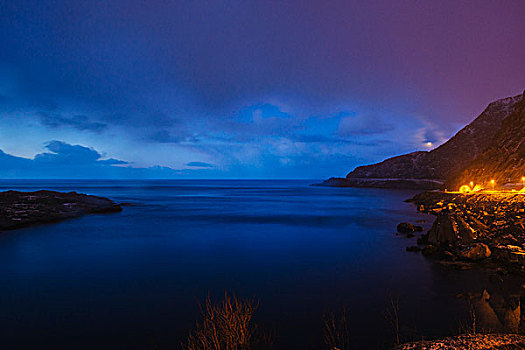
21, 209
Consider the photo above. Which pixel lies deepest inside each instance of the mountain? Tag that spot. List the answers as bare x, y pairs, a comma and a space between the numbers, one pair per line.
428, 170
504, 160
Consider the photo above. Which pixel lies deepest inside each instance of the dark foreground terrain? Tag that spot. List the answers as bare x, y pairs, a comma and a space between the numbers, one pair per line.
21, 209
471, 342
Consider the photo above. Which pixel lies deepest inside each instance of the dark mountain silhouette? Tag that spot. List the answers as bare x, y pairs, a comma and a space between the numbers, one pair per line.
427, 170
504, 160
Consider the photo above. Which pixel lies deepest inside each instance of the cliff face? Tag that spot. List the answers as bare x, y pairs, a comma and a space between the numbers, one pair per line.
435, 167
504, 160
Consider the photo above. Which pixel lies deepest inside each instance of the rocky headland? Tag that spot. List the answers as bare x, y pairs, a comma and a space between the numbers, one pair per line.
486, 228
490, 147
21, 209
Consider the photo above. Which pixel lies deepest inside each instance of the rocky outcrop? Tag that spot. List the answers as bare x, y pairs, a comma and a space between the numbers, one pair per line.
470, 342
430, 170
406, 227
475, 252
20, 209
476, 227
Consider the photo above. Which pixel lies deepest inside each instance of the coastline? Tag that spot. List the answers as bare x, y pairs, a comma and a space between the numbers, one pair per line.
385, 183
23, 209
486, 229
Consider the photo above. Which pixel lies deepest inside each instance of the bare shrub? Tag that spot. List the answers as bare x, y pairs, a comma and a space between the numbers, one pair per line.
336, 331
392, 317
225, 325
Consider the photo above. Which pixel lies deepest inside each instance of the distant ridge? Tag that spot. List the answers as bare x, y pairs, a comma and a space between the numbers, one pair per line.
504, 160
430, 170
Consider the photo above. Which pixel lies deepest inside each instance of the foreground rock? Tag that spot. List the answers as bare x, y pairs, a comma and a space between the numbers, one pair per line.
406, 227
470, 342
21, 209
482, 227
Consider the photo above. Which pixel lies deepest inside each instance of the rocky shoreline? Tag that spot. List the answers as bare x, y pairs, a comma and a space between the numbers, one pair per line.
470, 342
22, 209
482, 228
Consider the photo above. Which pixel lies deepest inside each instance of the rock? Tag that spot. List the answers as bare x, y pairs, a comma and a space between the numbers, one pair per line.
449, 256
413, 249
444, 230
475, 252
406, 227
469, 342
493, 219
456, 265
430, 250
423, 239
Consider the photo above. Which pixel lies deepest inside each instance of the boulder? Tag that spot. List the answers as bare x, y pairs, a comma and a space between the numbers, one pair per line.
449, 256
430, 250
406, 227
475, 252
444, 230
423, 239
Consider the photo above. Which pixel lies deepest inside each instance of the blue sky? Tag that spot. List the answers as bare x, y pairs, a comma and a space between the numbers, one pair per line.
243, 89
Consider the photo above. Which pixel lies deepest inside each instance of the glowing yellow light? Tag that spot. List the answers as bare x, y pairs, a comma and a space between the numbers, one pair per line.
471, 184
429, 144
492, 182
464, 189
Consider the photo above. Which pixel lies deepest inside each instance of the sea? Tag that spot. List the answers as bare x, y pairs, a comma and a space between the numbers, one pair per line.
136, 279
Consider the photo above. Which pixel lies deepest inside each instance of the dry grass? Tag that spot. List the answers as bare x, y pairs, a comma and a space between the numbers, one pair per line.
470, 326
392, 317
336, 331
225, 325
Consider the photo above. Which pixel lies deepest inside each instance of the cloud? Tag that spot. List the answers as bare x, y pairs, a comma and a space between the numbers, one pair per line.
430, 134
64, 153
251, 74
200, 164
64, 160
164, 136
363, 125
316, 138
79, 122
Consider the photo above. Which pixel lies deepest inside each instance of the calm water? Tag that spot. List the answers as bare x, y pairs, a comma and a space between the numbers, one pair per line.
132, 280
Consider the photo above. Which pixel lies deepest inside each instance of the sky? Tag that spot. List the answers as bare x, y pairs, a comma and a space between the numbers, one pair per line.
244, 89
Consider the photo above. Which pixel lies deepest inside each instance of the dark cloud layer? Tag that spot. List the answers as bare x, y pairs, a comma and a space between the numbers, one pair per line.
80, 122
247, 84
200, 164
